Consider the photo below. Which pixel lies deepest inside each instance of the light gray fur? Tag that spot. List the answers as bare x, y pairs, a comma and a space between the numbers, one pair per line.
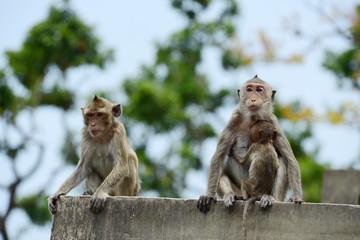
225, 172
108, 163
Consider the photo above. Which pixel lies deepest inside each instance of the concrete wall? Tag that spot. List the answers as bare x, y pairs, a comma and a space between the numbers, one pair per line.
341, 186
165, 218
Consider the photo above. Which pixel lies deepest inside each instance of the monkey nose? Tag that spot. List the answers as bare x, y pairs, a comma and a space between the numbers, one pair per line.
253, 100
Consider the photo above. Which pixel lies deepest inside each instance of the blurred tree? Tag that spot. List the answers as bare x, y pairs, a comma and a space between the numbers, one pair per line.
346, 65
343, 25
300, 131
171, 101
60, 42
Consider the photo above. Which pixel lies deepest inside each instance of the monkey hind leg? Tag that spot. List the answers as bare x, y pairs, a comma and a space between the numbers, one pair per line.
228, 191
128, 187
266, 201
92, 182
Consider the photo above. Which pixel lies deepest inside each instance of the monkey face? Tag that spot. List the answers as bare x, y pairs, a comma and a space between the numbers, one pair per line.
254, 95
96, 122
99, 114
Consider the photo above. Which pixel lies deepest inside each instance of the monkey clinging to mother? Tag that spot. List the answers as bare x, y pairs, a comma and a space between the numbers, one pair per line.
226, 173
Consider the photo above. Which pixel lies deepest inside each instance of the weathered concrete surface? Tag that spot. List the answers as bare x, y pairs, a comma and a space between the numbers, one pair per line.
165, 218
341, 186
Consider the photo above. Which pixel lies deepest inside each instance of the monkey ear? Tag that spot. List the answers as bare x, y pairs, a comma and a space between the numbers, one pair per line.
273, 95
261, 134
117, 110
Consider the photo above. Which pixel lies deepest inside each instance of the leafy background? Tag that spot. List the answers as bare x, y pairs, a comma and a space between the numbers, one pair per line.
175, 66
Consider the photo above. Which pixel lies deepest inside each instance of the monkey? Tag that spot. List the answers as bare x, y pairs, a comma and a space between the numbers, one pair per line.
264, 163
107, 162
225, 173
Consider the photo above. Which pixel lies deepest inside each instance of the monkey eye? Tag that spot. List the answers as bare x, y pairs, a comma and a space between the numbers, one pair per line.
249, 89
89, 115
259, 89
99, 114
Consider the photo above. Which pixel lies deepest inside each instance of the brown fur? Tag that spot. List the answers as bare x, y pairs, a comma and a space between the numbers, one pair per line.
107, 162
226, 173
263, 166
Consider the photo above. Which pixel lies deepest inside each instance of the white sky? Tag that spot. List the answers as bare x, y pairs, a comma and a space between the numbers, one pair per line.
132, 28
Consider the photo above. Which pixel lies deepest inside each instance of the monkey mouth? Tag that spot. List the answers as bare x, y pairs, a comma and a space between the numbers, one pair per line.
254, 107
95, 132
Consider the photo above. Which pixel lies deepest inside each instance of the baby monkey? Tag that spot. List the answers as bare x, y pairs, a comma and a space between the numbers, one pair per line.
264, 162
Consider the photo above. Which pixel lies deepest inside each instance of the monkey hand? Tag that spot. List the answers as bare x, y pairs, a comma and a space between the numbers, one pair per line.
204, 202
52, 202
97, 202
295, 200
88, 192
230, 198
266, 201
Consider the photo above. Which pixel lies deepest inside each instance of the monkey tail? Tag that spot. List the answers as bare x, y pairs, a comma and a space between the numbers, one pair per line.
245, 214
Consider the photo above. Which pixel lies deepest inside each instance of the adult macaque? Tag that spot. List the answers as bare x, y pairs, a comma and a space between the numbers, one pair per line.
226, 173
264, 163
107, 162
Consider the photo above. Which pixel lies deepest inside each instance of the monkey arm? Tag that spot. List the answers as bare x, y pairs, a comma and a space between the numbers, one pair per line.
284, 150
216, 169
217, 160
116, 176
122, 166
75, 178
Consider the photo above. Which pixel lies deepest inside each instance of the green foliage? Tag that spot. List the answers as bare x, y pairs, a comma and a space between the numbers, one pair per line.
172, 96
62, 40
312, 178
311, 171
58, 97
36, 207
8, 99
151, 99
346, 65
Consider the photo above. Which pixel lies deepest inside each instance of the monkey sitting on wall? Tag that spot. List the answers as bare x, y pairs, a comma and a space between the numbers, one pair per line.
264, 164
107, 162
226, 174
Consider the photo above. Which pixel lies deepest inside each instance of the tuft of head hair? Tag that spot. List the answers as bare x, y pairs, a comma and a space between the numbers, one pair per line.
256, 79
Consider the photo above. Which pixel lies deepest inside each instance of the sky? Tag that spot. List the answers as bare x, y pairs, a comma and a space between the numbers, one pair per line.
132, 28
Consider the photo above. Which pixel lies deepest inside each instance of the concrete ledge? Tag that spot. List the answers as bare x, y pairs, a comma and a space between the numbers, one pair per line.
167, 218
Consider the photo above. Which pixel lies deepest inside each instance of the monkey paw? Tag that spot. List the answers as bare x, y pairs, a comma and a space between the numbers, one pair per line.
240, 197
266, 201
230, 198
97, 202
295, 200
52, 202
204, 202
88, 192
